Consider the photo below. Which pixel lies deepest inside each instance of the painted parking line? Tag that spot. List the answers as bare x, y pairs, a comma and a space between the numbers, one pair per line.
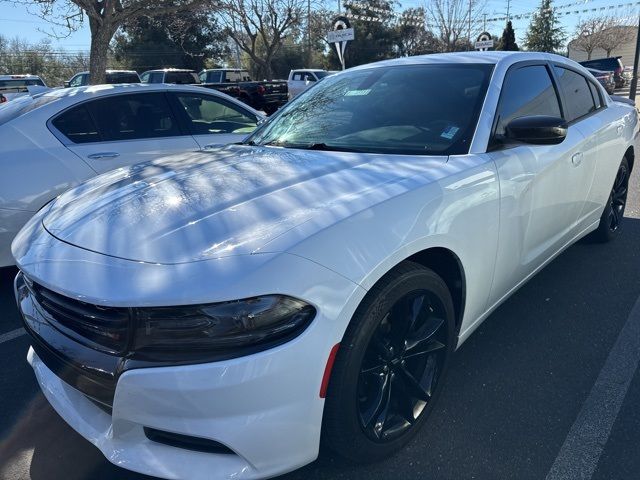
580, 453
18, 332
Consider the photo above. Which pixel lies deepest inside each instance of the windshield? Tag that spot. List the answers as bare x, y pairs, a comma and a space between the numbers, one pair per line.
411, 109
321, 74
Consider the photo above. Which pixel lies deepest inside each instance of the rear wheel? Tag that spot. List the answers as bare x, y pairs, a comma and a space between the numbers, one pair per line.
390, 365
614, 209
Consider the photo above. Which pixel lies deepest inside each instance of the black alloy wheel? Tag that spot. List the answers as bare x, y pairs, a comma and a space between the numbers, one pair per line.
402, 365
618, 197
390, 365
613, 212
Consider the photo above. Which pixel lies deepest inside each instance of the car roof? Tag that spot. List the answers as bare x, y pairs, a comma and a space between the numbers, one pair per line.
21, 76
224, 70
67, 97
171, 70
489, 57
109, 71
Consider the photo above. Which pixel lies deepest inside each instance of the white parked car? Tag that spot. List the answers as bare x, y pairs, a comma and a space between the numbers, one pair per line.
15, 86
300, 80
216, 315
53, 141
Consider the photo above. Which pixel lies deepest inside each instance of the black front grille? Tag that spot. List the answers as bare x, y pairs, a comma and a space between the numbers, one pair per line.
77, 362
105, 328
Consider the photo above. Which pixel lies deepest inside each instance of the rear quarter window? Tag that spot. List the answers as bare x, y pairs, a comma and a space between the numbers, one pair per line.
77, 125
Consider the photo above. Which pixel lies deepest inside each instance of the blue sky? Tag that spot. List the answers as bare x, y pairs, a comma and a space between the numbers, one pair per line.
17, 21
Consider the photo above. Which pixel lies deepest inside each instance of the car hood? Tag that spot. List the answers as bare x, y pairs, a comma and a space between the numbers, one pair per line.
198, 206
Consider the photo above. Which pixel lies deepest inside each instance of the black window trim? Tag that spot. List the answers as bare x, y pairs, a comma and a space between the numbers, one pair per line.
603, 104
493, 144
69, 143
185, 122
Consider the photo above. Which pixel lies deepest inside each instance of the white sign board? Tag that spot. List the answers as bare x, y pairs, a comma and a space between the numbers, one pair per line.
343, 35
484, 44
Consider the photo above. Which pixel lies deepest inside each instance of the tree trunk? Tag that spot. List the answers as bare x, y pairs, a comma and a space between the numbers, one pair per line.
101, 35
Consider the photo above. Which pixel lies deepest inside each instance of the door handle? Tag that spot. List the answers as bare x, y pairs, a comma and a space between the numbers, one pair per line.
104, 155
576, 159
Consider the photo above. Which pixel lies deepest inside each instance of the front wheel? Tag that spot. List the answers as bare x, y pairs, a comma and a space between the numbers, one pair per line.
614, 209
390, 365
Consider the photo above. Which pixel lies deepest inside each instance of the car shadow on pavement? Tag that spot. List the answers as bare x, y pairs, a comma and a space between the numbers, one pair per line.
513, 390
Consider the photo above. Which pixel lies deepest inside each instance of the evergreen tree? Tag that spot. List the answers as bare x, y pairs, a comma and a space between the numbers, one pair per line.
181, 40
545, 33
508, 40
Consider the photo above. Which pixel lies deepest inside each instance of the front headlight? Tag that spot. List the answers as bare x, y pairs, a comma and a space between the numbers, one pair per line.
219, 330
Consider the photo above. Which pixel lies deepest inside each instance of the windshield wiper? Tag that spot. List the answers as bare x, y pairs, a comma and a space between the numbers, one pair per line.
327, 148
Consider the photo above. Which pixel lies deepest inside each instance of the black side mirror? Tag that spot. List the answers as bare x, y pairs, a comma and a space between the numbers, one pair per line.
537, 130
67, 84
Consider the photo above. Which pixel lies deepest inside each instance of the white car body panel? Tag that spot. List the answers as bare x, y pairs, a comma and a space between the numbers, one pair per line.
105, 156
244, 221
38, 163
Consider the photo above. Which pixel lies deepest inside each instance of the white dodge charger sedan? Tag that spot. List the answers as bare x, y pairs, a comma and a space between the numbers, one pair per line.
53, 141
222, 314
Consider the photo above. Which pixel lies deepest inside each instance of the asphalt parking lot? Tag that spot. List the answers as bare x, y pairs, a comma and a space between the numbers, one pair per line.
547, 385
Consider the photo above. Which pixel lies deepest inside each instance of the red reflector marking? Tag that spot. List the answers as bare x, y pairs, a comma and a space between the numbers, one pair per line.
327, 371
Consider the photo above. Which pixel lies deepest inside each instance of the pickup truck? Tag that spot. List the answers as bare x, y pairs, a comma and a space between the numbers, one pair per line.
300, 80
267, 96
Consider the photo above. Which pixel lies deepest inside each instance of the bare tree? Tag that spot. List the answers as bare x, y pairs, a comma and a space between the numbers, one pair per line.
455, 22
105, 17
258, 27
588, 34
614, 35
411, 37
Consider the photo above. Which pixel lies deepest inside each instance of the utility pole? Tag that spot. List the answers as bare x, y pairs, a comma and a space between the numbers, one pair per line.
634, 80
470, 24
484, 22
309, 33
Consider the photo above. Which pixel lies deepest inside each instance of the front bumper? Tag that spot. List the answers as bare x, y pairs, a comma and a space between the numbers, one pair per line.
265, 408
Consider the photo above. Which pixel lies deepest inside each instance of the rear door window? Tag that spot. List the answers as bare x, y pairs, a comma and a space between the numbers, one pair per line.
77, 125
156, 77
577, 94
214, 77
526, 91
129, 117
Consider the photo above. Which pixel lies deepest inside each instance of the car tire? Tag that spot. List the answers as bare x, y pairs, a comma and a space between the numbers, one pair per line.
613, 212
411, 308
